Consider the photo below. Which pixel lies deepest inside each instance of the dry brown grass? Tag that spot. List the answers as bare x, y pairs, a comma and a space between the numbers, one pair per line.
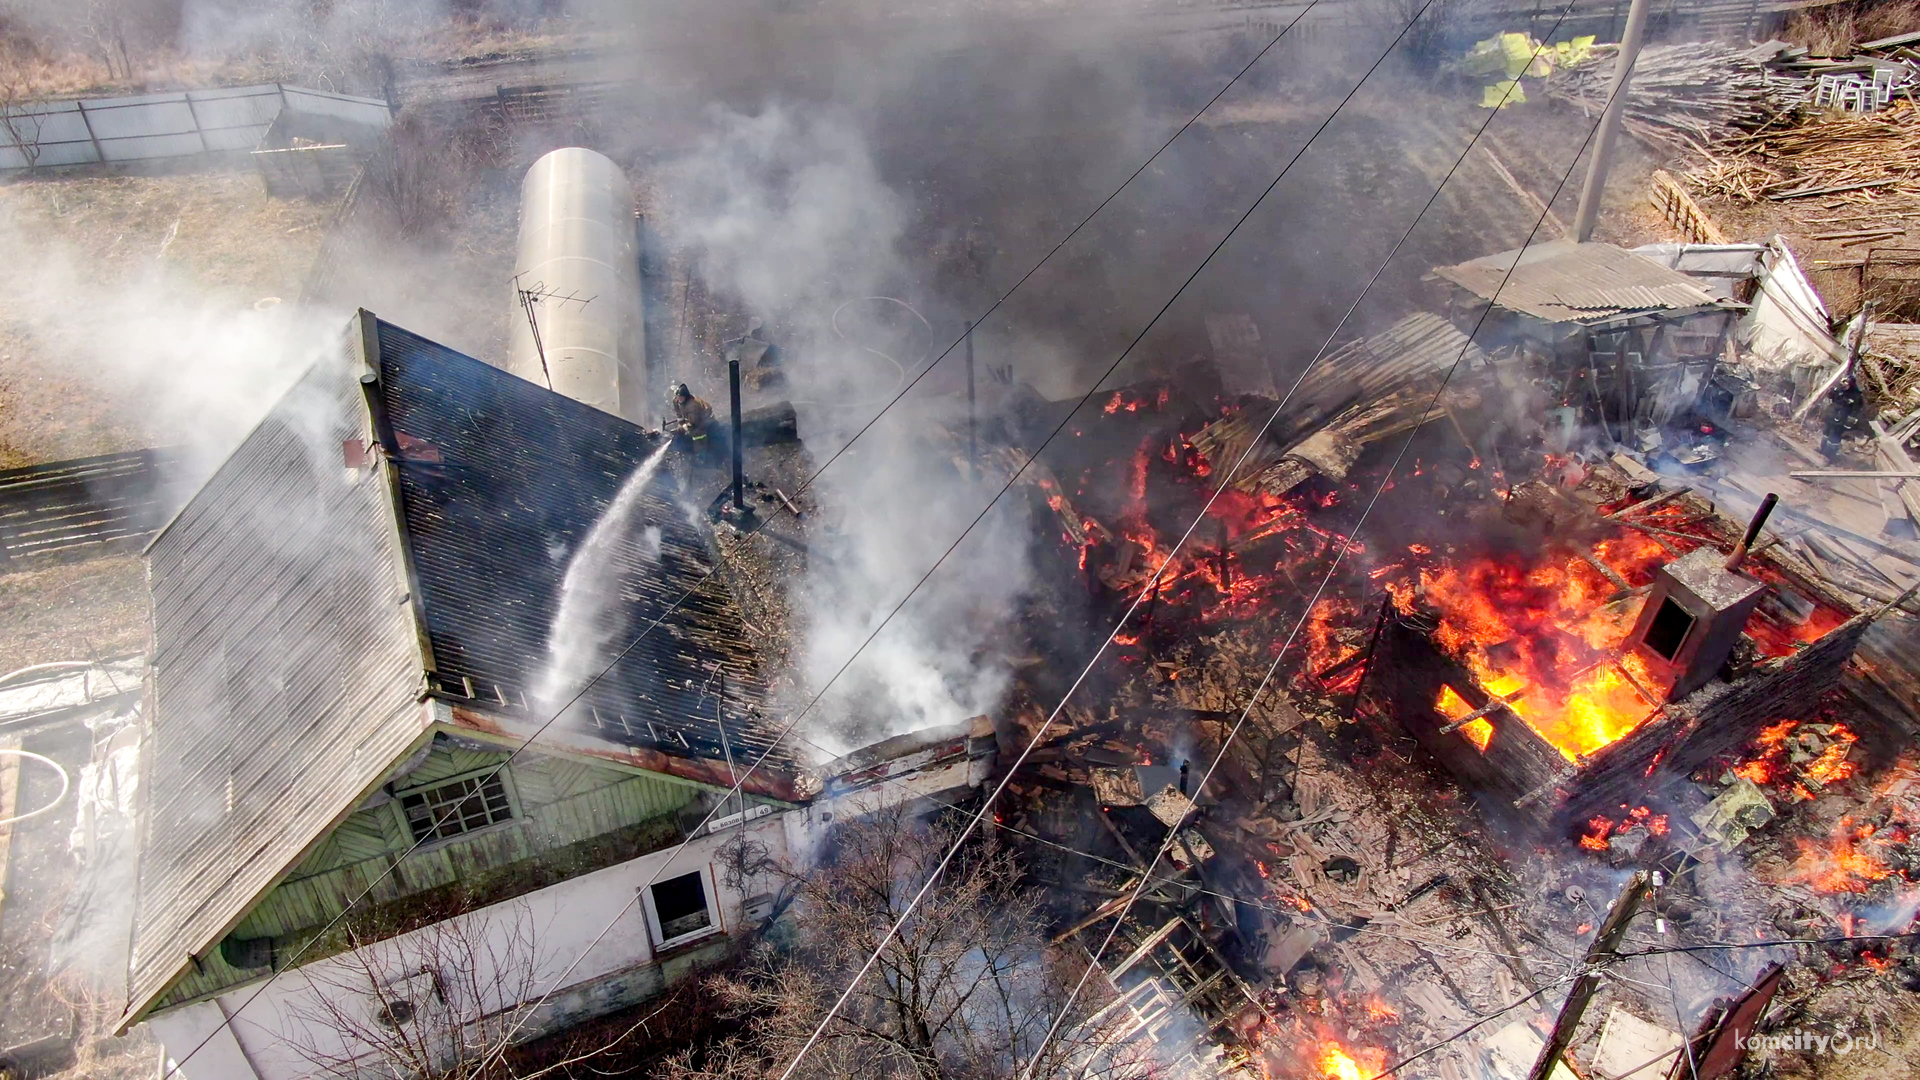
216, 233
53, 613
353, 63
1834, 29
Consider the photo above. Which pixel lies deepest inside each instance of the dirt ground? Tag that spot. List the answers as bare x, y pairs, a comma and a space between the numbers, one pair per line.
214, 234
54, 613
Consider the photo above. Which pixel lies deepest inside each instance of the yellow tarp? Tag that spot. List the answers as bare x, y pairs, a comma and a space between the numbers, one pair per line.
1514, 54
1503, 93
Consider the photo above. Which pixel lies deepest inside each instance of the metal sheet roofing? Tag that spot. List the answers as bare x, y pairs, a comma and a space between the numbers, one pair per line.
1562, 281
1416, 346
284, 679
501, 481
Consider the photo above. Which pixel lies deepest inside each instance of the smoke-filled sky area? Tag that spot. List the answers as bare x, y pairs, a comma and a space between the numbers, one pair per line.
806, 155
807, 158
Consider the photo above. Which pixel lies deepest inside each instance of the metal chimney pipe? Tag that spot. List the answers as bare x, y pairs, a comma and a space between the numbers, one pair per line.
1584, 218
1753, 532
739, 472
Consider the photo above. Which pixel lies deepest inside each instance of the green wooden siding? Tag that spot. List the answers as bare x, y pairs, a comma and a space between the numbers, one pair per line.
571, 817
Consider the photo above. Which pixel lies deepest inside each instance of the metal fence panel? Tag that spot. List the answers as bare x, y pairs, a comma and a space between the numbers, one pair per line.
255, 109
56, 122
176, 124
144, 147
357, 109
120, 121
235, 138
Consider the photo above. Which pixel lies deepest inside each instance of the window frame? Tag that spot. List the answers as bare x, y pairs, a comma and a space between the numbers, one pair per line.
515, 813
716, 922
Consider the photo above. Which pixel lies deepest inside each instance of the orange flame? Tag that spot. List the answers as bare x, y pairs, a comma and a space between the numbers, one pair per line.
1838, 864
1338, 1064
1546, 626
1452, 706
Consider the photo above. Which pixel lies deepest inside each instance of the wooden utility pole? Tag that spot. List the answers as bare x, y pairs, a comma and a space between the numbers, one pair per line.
1609, 133
1605, 944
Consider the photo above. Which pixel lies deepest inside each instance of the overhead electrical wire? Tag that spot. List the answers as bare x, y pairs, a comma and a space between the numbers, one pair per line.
230, 1015
1152, 583
1202, 890
1340, 552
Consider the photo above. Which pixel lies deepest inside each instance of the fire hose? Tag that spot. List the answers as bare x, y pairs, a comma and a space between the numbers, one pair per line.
66, 784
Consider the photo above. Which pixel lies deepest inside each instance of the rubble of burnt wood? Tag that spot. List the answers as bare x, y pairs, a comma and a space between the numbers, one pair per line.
1346, 887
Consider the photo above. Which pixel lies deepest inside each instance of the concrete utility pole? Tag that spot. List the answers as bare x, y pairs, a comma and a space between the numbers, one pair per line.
1605, 944
1610, 122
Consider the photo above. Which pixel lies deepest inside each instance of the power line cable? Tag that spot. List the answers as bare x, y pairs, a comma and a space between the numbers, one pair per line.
1202, 890
229, 1016
1341, 551
981, 516
1721, 946
1471, 1028
1152, 583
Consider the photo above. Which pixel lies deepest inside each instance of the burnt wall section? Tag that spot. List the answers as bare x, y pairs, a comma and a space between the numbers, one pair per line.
1531, 779
1407, 683
1719, 718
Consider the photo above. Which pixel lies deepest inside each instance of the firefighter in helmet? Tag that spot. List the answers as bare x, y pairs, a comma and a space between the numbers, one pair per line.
692, 415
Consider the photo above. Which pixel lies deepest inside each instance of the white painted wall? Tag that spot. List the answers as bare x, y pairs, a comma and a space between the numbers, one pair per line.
264, 1040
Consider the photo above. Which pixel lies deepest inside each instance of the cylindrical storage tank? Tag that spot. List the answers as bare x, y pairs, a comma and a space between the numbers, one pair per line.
577, 266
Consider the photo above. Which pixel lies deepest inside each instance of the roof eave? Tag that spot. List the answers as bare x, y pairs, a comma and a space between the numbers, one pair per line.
139, 1008
760, 779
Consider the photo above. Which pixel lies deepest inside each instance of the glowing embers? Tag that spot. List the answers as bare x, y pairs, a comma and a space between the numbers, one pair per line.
1545, 635
1849, 859
1604, 833
1799, 758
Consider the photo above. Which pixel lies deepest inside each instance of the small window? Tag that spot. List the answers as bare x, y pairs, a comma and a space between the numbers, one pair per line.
1669, 628
681, 906
462, 806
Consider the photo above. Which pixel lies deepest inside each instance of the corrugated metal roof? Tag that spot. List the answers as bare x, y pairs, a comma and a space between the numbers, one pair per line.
1561, 281
505, 481
1416, 346
284, 672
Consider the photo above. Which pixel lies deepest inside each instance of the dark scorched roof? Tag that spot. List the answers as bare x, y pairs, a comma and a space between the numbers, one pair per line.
501, 481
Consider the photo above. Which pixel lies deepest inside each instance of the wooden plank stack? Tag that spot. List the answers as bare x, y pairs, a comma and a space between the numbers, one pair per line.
1686, 97
1876, 152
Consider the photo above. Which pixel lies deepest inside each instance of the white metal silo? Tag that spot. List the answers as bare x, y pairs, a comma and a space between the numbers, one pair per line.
577, 272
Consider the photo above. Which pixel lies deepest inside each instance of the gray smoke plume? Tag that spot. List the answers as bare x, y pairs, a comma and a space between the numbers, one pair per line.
790, 215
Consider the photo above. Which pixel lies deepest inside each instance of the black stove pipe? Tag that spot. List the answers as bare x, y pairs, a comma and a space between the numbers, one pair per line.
739, 472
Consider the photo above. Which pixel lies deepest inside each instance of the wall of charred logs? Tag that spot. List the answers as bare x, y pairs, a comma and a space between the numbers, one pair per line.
1533, 781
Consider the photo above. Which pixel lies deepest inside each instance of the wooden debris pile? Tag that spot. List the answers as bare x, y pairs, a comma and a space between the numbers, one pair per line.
1359, 393
1877, 153
1685, 97
1890, 366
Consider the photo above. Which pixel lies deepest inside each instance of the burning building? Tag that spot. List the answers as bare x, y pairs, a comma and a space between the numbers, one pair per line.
355, 621
1583, 679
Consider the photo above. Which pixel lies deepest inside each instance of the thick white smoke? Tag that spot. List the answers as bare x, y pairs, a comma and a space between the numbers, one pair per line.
791, 215
184, 365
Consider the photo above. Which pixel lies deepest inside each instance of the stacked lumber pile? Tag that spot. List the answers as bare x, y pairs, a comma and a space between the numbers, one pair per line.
1686, 97
1875, 152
